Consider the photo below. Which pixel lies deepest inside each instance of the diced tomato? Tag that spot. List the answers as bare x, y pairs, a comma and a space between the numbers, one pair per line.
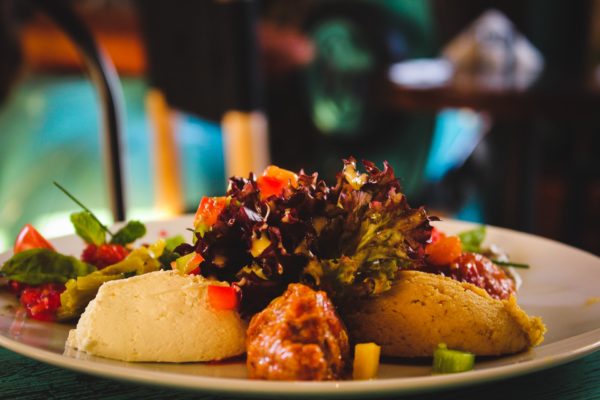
42, 301
436, 235
104, 255
223, 297
274, 180
16, 287
209, 210
444, 251
29, 238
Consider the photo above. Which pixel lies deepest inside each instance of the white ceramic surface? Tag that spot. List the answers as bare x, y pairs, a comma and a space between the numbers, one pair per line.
561, 286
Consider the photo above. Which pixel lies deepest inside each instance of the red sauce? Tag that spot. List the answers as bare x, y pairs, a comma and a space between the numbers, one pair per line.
479, 271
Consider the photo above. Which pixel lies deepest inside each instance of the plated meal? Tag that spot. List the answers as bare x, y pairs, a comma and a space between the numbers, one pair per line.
308, 281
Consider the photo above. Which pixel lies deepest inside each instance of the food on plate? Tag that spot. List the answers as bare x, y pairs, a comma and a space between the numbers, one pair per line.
422, 310
44, 280
296, 257
350, 239
81, 290
449, 361
298, 336
29, 238
366, 361
162, 316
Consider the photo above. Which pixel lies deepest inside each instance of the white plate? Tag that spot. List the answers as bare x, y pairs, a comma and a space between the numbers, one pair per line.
561, 286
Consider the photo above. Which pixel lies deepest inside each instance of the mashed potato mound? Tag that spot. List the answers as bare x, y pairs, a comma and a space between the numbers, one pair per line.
161, 316
422, 310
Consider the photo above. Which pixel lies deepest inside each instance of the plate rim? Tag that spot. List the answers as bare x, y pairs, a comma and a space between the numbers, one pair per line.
254, 388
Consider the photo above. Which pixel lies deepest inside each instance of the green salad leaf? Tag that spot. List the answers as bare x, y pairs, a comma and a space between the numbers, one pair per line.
88, 228
172, 242
80, 291
350, 239
37, 266
129, 233
473, 239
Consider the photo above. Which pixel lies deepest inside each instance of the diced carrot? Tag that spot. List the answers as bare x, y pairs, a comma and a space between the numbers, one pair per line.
444, 251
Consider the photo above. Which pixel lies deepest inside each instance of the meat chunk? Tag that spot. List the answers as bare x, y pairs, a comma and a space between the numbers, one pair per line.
297, 337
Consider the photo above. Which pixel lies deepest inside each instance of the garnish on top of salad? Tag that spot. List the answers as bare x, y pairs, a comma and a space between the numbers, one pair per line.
349, 239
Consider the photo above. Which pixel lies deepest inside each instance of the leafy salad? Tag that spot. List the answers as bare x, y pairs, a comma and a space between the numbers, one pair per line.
351, 239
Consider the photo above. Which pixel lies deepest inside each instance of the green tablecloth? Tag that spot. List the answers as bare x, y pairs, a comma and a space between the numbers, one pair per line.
23, 378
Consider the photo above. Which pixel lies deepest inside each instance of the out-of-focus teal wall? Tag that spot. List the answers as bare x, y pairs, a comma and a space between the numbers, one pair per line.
49, 131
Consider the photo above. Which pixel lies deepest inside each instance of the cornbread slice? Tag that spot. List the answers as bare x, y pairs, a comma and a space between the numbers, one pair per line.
422, 310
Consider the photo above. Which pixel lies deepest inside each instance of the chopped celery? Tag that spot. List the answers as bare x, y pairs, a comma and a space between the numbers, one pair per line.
446, 361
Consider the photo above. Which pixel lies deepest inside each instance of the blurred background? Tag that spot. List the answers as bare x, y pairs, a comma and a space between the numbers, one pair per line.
489, 111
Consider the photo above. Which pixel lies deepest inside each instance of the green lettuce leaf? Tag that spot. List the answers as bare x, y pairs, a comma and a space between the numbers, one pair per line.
80, 291
172, 242
473, 239
387, 240
129, 233
88, 228
37, 266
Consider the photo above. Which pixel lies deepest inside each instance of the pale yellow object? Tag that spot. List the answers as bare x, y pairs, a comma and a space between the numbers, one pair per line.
422, 310
259, 245
366, 361
161, 316
167, 176
245, 141
592, 300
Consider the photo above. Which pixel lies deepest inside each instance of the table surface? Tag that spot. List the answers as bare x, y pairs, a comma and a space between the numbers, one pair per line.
24, 378
502, 95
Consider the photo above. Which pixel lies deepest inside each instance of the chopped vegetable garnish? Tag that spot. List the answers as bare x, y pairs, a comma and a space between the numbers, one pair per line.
510, 264
188, 263
29, 238
274, 180
366, 361
222, 297
473, 239
208, 211
444, 251
447, 361
259, 244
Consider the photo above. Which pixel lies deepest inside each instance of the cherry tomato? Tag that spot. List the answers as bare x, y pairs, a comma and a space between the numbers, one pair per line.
29, 238
274, 180
222, 297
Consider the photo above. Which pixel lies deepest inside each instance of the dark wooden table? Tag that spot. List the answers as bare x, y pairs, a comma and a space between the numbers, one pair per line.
23, 378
